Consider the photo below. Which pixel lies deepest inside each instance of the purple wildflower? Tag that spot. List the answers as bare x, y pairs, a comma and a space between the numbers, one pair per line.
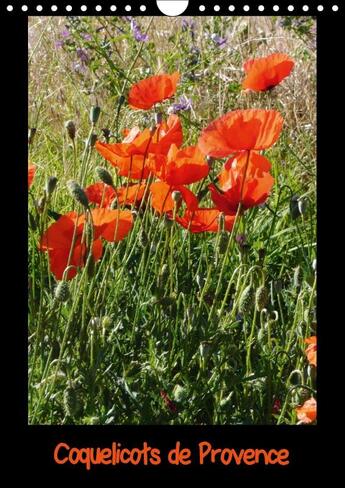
241, 240
219, 41
188, 24
65, 33
59, 44
138, 35
87, 37
184, 103
82, 55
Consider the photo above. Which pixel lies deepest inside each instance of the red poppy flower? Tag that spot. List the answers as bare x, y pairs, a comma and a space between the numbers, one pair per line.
103, 195
311, 350
252, 192
161, 197
178, 168
267, 72
181, 167
241, 130
306, 414
134, 156
31, 174
146, 93
112, 225
204, 220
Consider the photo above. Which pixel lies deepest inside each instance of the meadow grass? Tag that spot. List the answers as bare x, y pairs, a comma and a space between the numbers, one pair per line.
161, 311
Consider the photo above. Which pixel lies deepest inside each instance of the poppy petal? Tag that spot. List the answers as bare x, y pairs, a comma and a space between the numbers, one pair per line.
241, 130
31, 174
100, 193
146, 93
185, 166
267, 72
204, 220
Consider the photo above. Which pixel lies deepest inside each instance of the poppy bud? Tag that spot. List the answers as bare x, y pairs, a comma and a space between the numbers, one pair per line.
294, 211
106, 134
94, 114
104, 175
223, 242
163, 275
31, 135
78, 193
176, 196
32, 221
95, 323
62, 292
121, 101
262, 335
72, 400
51, 184
297, 277
158, 117
221, 220
91, 267
41, 203
295, 377
303, 395
93, 140
179, 393
302, 205
210, 160
246, 300
314, 265
143, 239
70, 127
261, 298
106, 322
205, 349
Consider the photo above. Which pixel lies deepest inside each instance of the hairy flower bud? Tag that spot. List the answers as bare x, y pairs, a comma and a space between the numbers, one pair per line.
94, 114
176, 196
261, 298
104, 175
70, 127
78, 193
51, 184
246, 300
62, 293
